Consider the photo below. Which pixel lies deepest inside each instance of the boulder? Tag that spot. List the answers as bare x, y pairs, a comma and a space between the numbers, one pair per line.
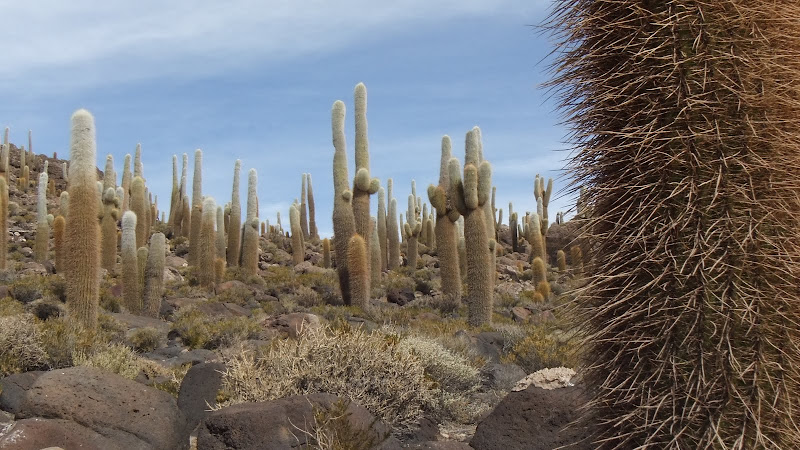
291, 324
503, 376
534, 419
130, 414
38, 433
400, 296
199, 390
280, 424
441, 445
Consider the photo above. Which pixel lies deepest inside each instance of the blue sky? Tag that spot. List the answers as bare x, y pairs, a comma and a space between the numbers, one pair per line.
256, 80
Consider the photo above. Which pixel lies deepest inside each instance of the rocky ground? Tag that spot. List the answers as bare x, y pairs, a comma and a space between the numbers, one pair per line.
276, 361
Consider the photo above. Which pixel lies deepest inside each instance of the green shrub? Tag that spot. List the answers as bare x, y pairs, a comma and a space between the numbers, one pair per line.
544, 348
198, 330
115, 358
451, 371
10, 307
146, 339
28, 289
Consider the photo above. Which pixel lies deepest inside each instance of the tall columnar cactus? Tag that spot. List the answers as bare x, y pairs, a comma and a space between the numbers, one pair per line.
512, 226
359, 271
220, 236
154, 276
3, 223
383, 244
63, 205
108, 230
42, 241
206, 247
139, 207
174, 198
131, 297
197, 208
375, 257
534, 236
561, 260
59, 225
109, 176
446, 236
363, 183
343, 220
186, 216
411, 230
469, 196
302, 207
5, 168
542, 196
127, 177
392, 231
141, 261
686, 133
138, 168
249, 251
312, 219
423, 235
326, 253
298, 252
82, 238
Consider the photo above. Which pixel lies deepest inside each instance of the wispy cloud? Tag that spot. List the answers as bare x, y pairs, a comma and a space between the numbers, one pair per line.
116, 41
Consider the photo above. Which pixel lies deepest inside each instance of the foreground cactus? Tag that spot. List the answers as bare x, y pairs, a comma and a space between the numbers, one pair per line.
82, 238
206, 247
359, 271
411, 230
139, 207
154, 276
469, 196
343, 220
108, 230
686, 132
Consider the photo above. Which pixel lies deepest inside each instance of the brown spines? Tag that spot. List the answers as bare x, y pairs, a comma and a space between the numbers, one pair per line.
359, 271
561, 260
140, 207
538, 270
58, 242
108, 230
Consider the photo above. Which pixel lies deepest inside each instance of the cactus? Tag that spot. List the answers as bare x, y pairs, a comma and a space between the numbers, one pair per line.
127, 178
206, 246
154, 276
4, 151
42, 240
469, 195
576, 256
220, 236
382, 235
249, 251
298, 252
219, 270
141, 262
138, 169
326, 253
411, 230
423, 235
312, 220
108, 230
109, 176
375, 256
139, 207
81, 240
302, 208
59, 224
197, 208
234, 232
174, 198
131, 297
538, 271
392, 231
359, 271
3, 223
343, 219
512, 226
535, 238
561, 260
186, 216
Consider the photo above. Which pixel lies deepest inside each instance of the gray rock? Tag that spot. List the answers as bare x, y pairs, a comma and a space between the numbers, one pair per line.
199, 389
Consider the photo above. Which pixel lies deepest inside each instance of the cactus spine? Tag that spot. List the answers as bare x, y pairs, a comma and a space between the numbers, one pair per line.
3, 223
131, 297
469, 196
108, 230
154, 276
235, 219
298, 252
359, 271
197, 208
81, 241
42, 240
445, 230
249, 252
312, 221
343, 219
206, 246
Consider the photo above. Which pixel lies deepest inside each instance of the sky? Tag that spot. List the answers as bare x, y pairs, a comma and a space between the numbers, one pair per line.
256, 80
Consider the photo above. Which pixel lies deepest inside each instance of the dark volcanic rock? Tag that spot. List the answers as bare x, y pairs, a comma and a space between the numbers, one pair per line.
199, 390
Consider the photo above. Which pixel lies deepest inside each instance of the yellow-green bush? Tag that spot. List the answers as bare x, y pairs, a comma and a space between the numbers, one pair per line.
146, 339
197, 330
365, 367
21, 347
10, 307
544, 347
